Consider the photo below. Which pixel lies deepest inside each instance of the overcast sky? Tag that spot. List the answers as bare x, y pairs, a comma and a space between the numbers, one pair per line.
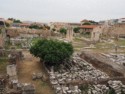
62, 10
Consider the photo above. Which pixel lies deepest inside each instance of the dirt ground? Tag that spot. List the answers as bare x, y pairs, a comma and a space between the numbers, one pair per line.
27, 67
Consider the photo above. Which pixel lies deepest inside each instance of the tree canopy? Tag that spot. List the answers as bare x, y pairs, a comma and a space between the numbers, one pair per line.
35, 27
52, 52
86, 23
63, 31
47, 27
15, 20
76, 30
53, 29
90, 23
7, 24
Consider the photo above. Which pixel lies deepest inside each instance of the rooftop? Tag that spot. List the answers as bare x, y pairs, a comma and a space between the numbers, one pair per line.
88, 26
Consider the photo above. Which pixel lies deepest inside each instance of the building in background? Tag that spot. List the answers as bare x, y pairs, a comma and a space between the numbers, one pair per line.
74, 25
58, 25
87, 28
121, 20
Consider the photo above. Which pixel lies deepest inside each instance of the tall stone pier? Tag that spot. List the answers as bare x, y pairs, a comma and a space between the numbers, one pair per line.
69, 35
2, 33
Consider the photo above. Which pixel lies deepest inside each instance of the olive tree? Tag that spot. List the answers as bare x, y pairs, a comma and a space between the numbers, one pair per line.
52, 52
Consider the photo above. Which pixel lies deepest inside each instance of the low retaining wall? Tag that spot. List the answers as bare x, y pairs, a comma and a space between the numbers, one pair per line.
100, 63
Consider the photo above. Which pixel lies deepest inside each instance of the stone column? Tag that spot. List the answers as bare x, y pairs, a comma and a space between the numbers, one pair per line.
2, 37
69, 35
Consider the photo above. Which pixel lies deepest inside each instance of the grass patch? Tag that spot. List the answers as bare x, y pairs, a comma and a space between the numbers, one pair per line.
121, 42
3, 64
77, 39
43, 88
87, 35
34, 40
44, 84
84, 89
104, 45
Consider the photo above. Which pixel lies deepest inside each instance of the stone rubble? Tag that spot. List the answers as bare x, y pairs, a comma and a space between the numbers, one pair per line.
2, 85
98, 89
28, 89
119, 58
75, 71
37, 76
12, 72
116, 86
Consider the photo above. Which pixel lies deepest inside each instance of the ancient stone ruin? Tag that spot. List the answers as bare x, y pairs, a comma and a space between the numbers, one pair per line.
14, 86
28, 89
117, 58
15, 56
78, 70
2, 85
80, 77
69, 34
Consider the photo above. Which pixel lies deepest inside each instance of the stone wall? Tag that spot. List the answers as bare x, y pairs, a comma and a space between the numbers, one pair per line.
101, 63
69, 76
118, 29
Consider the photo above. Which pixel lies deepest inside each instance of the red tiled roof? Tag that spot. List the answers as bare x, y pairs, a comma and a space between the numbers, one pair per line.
88, 26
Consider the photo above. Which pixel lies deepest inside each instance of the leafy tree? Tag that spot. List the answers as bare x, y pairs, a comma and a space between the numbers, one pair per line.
11, 19
52, 52
47, 27
86, 23
111, 91
63, 31
7, 24
35, 27
53, 29
40, 27
15, 20
76, 30
93, 22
